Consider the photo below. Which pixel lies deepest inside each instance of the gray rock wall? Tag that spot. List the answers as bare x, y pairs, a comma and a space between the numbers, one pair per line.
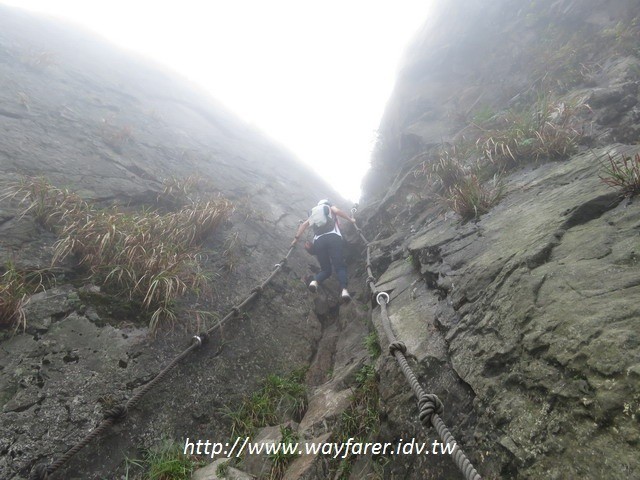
111, 127
524, 321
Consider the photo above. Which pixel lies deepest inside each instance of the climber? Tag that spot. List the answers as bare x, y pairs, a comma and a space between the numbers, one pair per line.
327, 244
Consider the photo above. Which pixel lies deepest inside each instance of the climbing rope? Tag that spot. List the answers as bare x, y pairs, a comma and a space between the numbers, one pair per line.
429, 405
116, 414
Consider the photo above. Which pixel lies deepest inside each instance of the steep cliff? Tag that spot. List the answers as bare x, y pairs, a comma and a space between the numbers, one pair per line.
118, 132
512, 265
510, 260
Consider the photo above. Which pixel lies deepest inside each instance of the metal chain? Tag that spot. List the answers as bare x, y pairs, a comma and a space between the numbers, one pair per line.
429, 405
43, 471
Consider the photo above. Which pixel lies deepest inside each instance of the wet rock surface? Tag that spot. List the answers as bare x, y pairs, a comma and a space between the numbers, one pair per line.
539, 319
524, 320
330, 388
111, 128
524, 324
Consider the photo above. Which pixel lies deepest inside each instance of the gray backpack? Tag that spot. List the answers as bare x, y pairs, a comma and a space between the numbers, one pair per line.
321, 219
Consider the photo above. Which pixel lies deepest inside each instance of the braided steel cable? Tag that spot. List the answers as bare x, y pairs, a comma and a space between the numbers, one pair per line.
429, 405
461, 460
43, 472
133, 401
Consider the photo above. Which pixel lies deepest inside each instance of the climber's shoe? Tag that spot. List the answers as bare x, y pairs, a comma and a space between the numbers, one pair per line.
313, 286
345, 297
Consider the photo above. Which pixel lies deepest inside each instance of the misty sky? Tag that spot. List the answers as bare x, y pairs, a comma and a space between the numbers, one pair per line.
314, 76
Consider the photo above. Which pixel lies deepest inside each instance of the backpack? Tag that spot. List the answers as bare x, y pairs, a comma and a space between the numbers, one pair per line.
321, 219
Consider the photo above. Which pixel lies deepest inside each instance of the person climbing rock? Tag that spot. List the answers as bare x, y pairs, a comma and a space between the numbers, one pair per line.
327, 244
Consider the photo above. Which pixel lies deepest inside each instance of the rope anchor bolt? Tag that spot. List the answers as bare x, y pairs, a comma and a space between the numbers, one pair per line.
382, 297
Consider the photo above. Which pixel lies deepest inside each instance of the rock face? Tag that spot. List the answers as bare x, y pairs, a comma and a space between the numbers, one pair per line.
524, 320
111, 128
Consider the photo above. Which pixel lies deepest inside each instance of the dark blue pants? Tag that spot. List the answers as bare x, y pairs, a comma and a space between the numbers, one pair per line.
328, 249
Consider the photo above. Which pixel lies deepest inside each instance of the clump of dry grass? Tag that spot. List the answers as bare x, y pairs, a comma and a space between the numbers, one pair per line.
15, 288
625, 36
179, 187
623, 172
446, 170
455, 176
179, 191
542, 132
49, 205
150, 256
497, 142
471, 198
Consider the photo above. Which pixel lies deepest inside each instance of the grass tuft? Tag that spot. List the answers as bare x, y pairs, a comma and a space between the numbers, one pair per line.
166, 462
15, 289
150, 256
281, 460
464, 176
277, 397
623, 173
361, 420
372, 344
179, 191
543, 131
114, 136
471, 198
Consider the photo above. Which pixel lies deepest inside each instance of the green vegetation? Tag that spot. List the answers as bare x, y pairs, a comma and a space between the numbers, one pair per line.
149, 255
564, 56
471, 198
538, 123
166, 462
281, 460
465, 176
460, 188
623, 173
372, 344
624, 36
180, 191
543, 131
279, 396
448, 169
483, 115
15, 288
361, 420
222, 470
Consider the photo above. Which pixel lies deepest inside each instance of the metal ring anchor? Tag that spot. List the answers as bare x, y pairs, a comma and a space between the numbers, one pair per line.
354, 210
198, 340
384, 295
277, 265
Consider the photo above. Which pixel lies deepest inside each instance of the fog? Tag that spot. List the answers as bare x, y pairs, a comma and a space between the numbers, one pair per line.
314, 77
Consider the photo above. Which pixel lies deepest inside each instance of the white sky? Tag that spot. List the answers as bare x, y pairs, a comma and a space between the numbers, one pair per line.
313, 75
